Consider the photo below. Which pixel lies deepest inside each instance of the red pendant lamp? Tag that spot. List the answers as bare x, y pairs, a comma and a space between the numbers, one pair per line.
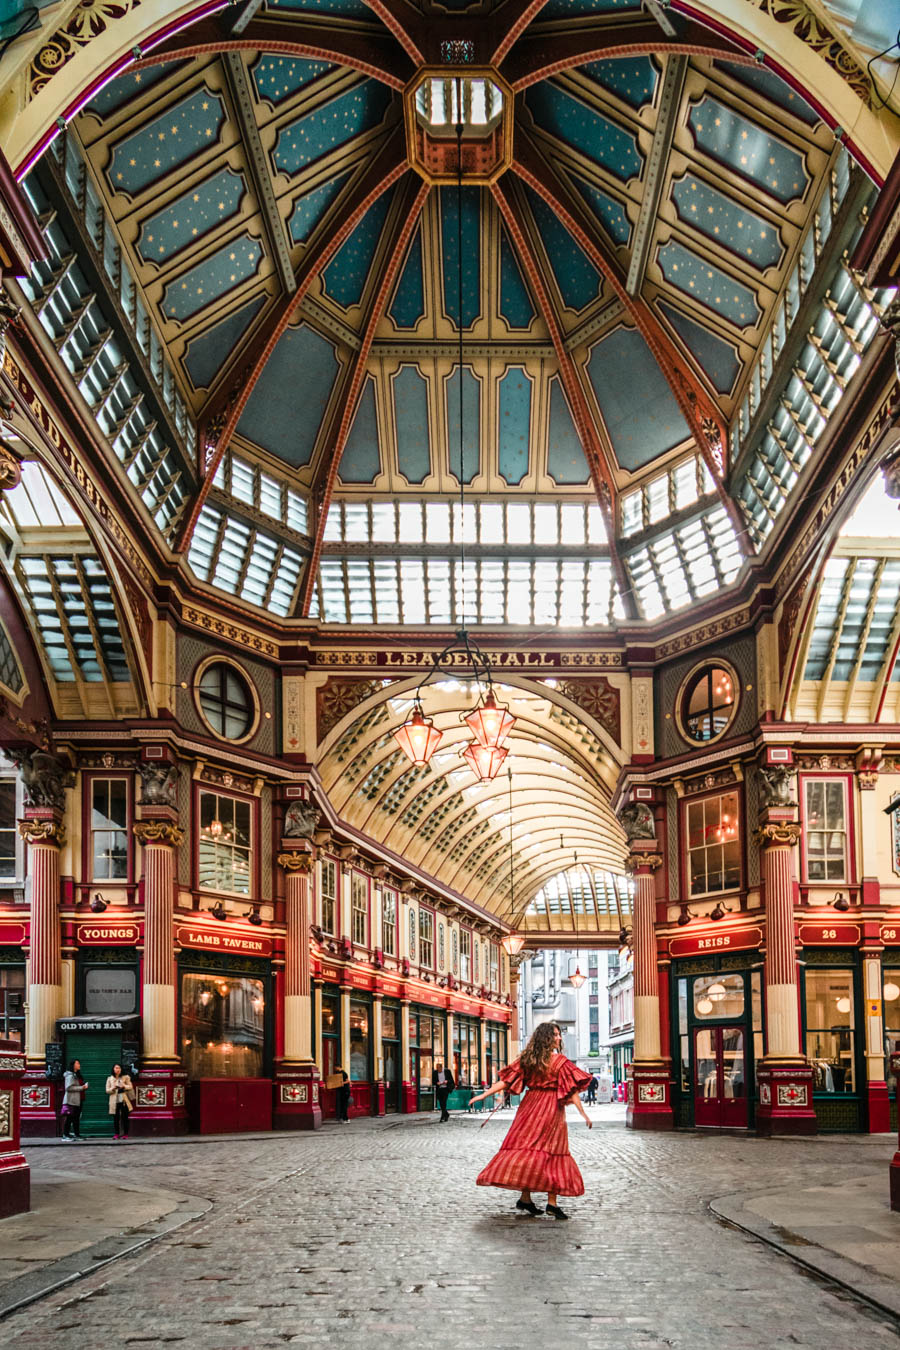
418, 738
490, 723
484, 760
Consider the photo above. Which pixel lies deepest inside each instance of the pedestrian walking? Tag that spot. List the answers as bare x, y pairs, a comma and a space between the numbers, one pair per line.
120, 1092
535, 1155
592, 1091
74, 1088
442, 1080
343, 1098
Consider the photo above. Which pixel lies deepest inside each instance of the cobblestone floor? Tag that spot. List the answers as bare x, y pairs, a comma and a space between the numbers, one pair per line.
375, 1232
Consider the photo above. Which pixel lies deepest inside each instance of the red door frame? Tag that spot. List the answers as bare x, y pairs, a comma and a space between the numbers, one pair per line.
715, 1109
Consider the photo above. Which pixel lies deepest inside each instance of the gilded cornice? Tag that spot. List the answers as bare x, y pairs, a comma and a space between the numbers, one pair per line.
158, 832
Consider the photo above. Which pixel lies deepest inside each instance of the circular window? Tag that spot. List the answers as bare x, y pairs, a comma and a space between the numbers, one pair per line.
708, 703
226, 700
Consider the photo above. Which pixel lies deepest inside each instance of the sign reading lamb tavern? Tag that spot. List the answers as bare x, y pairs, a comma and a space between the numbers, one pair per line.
211, 941
735, 940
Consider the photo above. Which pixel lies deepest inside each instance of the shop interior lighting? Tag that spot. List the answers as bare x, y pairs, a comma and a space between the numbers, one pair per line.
891, 992
704, 1006
843, 1005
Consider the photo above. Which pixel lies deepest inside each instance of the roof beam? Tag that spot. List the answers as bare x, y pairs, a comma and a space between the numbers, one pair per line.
410, 208
223, 411
594, 450
375, 54
408, 26
243, 104
511, 21
538, 55
657, 165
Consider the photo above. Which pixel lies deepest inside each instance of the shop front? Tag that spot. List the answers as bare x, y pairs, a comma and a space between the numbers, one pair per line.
466, 1064
427, 1047
98, 1042
12, 988
332, 1059
831, 1004
360, 1060
495, 1049
391, 1055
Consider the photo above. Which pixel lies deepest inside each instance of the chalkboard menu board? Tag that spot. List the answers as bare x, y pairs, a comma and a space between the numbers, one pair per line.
53, 1052
130, 1056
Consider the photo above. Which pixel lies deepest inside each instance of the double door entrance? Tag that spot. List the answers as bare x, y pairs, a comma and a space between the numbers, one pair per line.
720, 1078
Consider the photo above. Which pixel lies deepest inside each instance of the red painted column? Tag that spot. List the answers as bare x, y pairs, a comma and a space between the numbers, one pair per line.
15, 1174
297, 1086
649, 1076
44, 832
161, 1085
784, 1075
895, 1161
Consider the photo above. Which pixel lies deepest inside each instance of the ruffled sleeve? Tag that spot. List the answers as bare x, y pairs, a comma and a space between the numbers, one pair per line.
512, 1077
571, 1079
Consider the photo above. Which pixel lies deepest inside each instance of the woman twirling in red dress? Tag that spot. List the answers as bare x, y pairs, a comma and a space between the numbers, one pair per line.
535, 1155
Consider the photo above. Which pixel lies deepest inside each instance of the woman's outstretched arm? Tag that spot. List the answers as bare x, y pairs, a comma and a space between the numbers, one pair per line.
498, 1086
575, 1100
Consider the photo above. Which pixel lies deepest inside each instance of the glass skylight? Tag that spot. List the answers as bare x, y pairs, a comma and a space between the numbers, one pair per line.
583, 891
233, 555
258, 487
665, 494
685, 564
489, 523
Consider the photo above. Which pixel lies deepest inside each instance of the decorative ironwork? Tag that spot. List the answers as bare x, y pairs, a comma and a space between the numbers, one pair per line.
457, 51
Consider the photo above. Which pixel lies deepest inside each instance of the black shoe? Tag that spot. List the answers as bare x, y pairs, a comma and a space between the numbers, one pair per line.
556, 1212
528, 1208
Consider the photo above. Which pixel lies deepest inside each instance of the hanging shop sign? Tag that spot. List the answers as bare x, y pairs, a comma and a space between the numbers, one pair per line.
236, 943
890, 932
107, 934
97, 1024
824, 934
735, 940
12, 934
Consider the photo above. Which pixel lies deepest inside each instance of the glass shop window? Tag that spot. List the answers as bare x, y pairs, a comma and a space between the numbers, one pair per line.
825, 818
329, 896
830, 1029
10, 869
359, 1041
390, 1024
719, 996
389, 923
714, 844
465, 955
426, 938
359, 908
12, 1003
684, 1043
466, 1063
222, 1026
109, 829
494, 951
891, 993
224, 844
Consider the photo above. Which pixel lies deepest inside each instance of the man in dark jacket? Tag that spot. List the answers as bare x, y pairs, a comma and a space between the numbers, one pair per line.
442, 1080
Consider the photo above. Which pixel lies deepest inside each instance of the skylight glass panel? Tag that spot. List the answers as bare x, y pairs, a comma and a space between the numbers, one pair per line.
384, 522
632, 513
491, 523
270, 495
410, 523
658, 499
518, 523
242, 481
597, 534
684, 478
546, 523
437, 522
296, 515
573, 531
334, 528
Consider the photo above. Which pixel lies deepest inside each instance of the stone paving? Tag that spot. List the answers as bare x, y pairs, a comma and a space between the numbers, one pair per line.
374, 1232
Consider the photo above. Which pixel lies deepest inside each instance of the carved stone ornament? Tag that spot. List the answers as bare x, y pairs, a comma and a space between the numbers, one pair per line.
635, 861
43, 832
6, 1115
776, 786
295, 861
45, 776
10, 466
158, 783
890, 469
637, 821
867, 779
301, 819
158, 832
777, 832
599, 699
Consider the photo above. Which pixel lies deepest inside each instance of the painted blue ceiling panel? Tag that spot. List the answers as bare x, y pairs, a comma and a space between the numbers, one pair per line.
212, 278
361, 462
413, 424
344, 9
278, 77
578, 280
345, 276
717, 358
409, 299
761, 158
558, 9
633, 79
191, 216
514, 425
709, 285
577, 125
334, 123
206, 355
515, 302
471, 456
311, 207
727, 222
185, 130
773, 87
566, 463
610, 213
285, 410
471, 252
130, 85
639, 409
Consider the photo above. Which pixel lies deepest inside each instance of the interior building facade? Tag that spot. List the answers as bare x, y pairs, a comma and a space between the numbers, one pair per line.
365, 359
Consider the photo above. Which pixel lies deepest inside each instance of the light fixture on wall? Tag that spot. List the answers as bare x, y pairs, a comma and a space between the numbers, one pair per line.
98, 904
684, 918
254, 917
512, 943
719, 912
489, 722
841, 902
219, 911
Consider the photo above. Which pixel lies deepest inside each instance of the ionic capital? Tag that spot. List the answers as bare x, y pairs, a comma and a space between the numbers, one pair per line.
777, 832
158, 832
635, 861
295, 861
43, 832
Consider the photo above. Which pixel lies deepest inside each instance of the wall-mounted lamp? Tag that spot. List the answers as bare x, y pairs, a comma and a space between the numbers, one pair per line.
684, 917
98, 904
841, 902
219, 911
719, 912
253, 917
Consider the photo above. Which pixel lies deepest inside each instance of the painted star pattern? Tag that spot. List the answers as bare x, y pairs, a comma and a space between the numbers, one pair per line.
191, 216
184, 130
760, 158
211, 278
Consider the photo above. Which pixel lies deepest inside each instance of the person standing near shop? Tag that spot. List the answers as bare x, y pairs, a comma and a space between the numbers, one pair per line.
74, 1089
343, 1098
120, 1092
592, 1091
442, 1081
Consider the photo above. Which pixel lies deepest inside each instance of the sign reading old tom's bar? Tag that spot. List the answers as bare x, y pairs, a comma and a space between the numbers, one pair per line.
238, 944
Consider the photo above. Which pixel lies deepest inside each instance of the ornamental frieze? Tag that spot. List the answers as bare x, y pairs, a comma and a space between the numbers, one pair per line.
88, 21
812, 29
158, 832
599, 699
211, 623
337, 697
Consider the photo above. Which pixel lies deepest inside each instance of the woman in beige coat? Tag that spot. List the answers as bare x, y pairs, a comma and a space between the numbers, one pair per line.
120, 1092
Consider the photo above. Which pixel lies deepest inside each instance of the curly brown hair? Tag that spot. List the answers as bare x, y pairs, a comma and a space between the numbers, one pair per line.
536, 1055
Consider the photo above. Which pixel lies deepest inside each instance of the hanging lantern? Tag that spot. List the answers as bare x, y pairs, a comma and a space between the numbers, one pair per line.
512, 944
490, 723
484, 760
418, 738
577, 979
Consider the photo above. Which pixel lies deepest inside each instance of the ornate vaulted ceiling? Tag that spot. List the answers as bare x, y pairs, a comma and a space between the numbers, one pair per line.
629, 226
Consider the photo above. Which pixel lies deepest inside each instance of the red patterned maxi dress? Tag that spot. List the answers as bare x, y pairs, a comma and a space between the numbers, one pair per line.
535, 1153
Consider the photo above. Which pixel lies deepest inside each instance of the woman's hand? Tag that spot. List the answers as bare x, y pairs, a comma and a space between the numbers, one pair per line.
589, 1123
